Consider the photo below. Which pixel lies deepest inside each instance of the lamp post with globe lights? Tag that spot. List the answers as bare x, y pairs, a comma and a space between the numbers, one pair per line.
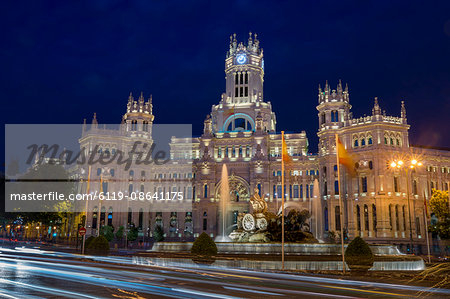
406, 166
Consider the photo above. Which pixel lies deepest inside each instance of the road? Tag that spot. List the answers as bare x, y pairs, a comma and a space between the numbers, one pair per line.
33, 273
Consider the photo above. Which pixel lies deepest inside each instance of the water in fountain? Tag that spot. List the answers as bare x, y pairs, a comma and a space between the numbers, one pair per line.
224, 201
316, 213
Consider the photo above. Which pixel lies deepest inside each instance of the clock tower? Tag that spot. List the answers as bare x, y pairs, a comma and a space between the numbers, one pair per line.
243, 99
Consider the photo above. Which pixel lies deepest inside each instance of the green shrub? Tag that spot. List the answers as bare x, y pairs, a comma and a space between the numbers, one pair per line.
358, 255
99, 245
88, 241
108, 232
204, 246
132, 233
158, 234
119, 233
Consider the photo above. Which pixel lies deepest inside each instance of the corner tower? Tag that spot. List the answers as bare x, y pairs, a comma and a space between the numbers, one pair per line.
334, 110
243, 98
138, 120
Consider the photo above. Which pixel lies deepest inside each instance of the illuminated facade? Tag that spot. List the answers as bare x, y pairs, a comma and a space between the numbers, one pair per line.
241, 132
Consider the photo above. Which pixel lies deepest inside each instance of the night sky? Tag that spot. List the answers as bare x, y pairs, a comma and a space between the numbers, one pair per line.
61, 61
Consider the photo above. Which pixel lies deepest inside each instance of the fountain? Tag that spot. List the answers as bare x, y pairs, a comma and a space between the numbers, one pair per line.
251, 238
224, 201
316, 212
252, 227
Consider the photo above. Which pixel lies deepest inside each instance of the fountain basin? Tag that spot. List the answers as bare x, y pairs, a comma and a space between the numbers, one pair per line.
411, 265
273, 248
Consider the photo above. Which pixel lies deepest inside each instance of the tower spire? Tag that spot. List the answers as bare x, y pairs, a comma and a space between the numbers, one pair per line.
403, 111
376, 108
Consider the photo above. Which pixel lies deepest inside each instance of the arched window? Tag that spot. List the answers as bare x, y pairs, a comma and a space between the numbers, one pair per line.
369, 140
130, 216
397, 219
239, 122
131, 172
110, 216
111, 171
415, 187
130, 189
374, 217
325, 217
142, 173
358, 217
404, 217
94, 217
205, 191
355, 143
363, 142
99, 171
142, 188
102, 216
390, 217
366, 217
337, 217
398, 142
334, 116
141, 218
385, 140
259, 190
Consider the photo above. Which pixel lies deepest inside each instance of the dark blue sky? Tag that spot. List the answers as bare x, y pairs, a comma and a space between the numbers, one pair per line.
61, 61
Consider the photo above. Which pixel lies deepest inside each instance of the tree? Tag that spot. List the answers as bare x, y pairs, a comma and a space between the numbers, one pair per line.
119, 233
132, 233
158, 234
439, 204
108, 232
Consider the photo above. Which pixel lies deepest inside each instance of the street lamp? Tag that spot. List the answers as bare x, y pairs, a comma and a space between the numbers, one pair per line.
399, 164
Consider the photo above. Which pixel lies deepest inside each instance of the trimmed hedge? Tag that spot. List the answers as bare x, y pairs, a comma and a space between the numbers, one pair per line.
99, 245
88, 241
358, 255
204, 246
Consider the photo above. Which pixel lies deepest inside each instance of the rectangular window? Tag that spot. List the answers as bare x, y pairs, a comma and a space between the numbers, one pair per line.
279, 192
295, 191
364, 184
336, 187
307, 191
205, 223
396, 184
301, 191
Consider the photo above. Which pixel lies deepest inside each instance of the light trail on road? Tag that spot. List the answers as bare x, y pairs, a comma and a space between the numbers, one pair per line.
40, 274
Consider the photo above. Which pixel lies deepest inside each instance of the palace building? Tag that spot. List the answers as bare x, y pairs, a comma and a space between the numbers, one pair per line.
241, 132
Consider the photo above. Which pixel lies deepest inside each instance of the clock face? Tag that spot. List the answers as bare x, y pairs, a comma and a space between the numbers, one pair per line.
241, 58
